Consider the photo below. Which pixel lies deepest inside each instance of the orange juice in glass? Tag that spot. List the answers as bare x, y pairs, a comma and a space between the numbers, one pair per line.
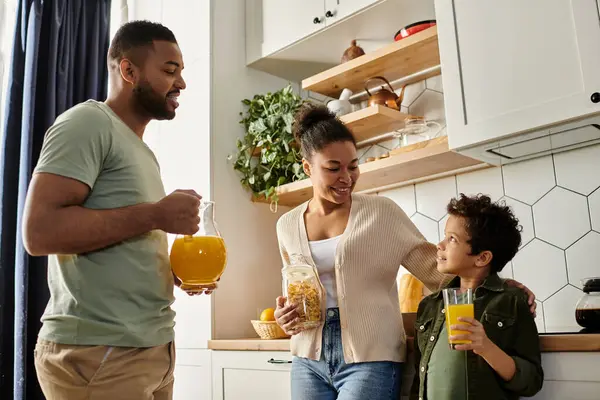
457, 304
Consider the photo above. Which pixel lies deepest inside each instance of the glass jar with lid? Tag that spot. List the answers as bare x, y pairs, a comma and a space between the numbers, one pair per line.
587, 310
301, 286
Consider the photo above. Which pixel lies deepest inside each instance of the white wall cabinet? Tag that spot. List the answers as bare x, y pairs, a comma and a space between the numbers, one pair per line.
283, 23
508, 67
251, 375
570, 376
336, 10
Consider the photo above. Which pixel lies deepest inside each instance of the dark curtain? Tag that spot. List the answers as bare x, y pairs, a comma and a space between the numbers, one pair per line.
58, 60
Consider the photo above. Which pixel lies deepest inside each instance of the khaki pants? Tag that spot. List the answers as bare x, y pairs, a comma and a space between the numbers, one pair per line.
67, 372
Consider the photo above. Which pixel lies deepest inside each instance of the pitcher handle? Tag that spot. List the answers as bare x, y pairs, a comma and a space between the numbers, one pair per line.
435, 124
373, 78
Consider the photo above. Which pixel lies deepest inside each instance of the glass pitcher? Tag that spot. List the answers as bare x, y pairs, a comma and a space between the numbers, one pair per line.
417, 129
302, 287
199, 260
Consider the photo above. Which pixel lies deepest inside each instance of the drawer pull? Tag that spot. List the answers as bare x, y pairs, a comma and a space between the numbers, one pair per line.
273, 361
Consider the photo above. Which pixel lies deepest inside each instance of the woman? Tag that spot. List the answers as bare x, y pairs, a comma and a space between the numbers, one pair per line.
357, 244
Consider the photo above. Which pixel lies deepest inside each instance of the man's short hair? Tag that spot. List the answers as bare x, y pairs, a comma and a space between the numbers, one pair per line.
135, 38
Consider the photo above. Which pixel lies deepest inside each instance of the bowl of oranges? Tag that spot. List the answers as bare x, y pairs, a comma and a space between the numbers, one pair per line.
266, 327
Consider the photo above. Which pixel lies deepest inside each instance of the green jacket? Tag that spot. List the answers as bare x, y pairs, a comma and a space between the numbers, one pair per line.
505, 315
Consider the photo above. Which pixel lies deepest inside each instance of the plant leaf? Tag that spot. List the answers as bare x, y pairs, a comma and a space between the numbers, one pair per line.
297, 168
257, 126
289, 120
268, 120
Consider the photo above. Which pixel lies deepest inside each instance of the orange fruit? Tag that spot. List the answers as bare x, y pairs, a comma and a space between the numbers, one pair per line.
268, 315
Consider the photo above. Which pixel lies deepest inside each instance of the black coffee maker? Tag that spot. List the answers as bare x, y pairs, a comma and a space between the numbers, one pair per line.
587, 311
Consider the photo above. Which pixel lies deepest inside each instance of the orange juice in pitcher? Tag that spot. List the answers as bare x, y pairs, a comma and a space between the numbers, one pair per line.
200, 260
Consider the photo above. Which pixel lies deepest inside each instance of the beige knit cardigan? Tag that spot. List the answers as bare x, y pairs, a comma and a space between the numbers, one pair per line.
378, 239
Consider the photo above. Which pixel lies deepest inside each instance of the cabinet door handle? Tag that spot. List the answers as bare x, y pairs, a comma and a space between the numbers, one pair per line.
329, 14
273, 361
595, 97
317, 20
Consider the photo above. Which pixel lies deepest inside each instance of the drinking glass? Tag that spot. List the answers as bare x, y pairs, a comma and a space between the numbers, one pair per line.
458, 303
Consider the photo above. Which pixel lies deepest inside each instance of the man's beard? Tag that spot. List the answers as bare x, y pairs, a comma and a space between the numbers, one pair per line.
150, 102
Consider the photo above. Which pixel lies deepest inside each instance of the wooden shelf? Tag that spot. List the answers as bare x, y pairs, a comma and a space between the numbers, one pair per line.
413, 162
397, 60
570, 342
373, 121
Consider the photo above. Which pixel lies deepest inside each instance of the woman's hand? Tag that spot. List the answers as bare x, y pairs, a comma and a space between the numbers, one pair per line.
287, 317
530, 295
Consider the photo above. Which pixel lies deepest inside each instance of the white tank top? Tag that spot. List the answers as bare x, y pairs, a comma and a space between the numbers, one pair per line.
323, 254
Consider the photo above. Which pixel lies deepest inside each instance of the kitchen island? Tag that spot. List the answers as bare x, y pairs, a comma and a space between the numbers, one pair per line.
569, 360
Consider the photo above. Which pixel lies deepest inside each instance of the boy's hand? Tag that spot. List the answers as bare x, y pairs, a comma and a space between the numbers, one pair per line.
480, 343
502, 363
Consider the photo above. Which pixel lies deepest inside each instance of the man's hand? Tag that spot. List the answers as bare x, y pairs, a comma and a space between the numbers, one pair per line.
530, 295
56, 222
207, 289
178, 212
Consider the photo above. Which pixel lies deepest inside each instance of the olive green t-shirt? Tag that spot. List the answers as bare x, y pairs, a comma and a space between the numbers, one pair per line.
120, 295
447, 371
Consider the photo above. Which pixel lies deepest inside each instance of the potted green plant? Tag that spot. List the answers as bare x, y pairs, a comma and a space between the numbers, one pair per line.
268, 155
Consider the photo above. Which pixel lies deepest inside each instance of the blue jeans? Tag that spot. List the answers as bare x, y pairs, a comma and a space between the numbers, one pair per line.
331, 378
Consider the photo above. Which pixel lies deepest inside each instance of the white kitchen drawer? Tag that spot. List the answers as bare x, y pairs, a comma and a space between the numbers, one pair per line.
251, 375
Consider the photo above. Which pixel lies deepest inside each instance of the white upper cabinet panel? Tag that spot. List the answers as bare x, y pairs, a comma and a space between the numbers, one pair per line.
513, 66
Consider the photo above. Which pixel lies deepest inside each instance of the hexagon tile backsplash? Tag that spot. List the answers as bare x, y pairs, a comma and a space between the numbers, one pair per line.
557, 201
556, 198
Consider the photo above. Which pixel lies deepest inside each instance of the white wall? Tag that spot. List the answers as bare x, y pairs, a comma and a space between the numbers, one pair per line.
192, 150
253, 277
8, 12
182, 145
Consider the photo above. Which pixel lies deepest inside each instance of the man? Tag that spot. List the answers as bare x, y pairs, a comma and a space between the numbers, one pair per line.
96, 205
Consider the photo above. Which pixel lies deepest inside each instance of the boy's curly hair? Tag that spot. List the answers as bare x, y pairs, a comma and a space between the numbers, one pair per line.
492, 226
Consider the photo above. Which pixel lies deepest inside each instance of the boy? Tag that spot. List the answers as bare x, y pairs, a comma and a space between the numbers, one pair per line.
503, 360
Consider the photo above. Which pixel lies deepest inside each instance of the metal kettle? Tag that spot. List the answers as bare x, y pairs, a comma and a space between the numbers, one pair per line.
384, 97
